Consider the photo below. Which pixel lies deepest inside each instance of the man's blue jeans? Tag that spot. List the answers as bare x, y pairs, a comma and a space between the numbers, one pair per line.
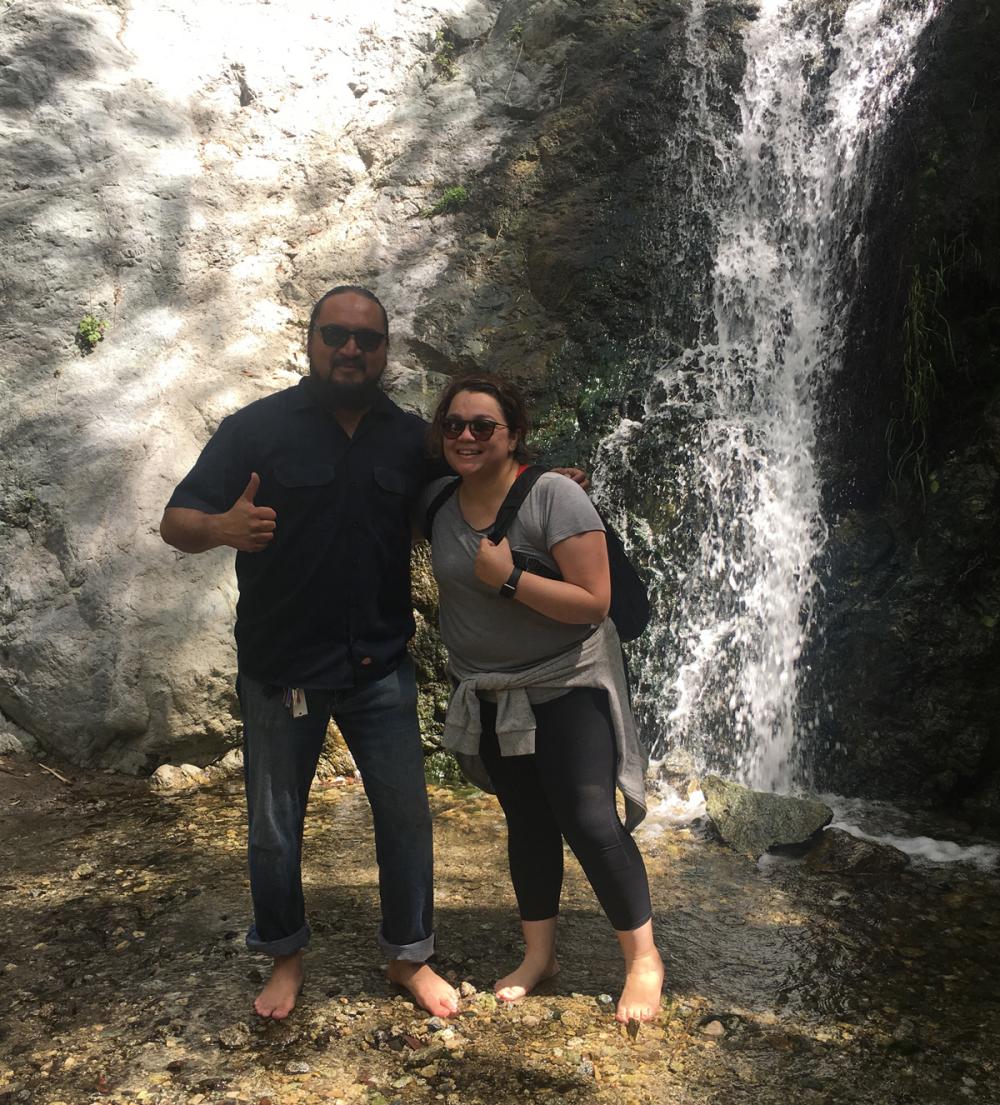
280, 753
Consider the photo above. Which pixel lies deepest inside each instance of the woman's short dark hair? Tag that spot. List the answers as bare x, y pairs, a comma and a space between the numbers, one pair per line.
515, 413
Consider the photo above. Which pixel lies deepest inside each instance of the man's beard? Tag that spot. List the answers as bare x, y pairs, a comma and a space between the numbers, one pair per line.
335, 395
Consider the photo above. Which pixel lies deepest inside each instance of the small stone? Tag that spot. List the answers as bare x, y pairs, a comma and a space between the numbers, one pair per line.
84, 871
429, 1071
531, 1021
435, 1024
235, 1036
713, 1028
467, 989
297, 1066
605, 1001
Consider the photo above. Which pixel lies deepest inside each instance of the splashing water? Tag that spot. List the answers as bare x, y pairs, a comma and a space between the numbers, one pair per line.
736, 529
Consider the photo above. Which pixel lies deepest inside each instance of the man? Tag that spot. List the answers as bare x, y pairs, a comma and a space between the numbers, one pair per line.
313, 487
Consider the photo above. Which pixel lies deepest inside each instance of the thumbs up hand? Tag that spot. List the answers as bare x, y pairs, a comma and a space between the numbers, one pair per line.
247, 527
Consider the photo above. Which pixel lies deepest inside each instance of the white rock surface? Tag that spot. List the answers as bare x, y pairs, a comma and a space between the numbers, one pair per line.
196, 174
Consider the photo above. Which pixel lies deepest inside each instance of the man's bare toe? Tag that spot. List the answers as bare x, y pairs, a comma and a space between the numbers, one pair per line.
427, 988
278, 997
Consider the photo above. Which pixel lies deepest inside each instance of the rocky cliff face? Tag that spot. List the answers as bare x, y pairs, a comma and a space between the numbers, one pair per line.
193, 176
906, 660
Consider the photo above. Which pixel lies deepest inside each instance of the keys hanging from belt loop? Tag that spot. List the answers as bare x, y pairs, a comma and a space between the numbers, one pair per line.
294, 699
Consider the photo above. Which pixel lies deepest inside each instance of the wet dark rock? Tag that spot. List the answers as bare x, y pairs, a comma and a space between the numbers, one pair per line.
838, 852
752, 821
903, 671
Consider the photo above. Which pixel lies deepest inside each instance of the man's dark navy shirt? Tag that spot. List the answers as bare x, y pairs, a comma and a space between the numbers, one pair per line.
327, 604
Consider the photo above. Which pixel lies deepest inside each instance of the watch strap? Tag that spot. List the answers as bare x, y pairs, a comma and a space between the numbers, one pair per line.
508, 589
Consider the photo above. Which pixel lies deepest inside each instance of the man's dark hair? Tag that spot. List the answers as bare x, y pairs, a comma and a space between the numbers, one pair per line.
340, 289
511, 402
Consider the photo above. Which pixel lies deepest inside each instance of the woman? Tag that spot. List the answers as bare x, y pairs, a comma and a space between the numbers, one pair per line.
540, 700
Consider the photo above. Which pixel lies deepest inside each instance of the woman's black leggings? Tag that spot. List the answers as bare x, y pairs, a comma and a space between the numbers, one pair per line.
567, 789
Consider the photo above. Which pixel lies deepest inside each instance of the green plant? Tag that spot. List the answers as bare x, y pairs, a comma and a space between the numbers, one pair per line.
451, 200
516, 33
89, 331
927, 344
444, 56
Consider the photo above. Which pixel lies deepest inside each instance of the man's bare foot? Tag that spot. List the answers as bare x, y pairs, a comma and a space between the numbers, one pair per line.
277, 999
640, 1000
525, 977
428, 989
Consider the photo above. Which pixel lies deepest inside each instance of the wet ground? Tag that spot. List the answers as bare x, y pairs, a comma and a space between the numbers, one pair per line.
122, 916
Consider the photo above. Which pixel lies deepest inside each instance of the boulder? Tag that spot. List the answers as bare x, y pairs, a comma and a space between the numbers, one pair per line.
838, 852
751, 821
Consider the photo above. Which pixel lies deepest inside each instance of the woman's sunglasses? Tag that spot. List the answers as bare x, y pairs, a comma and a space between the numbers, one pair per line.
338, 336
480, 428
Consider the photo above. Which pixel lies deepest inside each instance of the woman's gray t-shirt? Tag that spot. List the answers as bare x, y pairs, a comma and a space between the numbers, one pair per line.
482, 630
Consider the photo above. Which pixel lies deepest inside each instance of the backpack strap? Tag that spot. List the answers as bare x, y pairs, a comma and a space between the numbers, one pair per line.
436, 503
518, 492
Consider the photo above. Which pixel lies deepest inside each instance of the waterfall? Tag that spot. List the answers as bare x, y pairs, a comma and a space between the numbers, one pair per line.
719, 468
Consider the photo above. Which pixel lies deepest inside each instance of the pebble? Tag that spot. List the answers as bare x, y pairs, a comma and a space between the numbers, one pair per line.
467, 989
435, 1024
531, 1021
713, 1028
297, 1066
235, 1036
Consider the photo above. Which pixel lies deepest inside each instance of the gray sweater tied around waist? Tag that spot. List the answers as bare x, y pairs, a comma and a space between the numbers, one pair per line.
595, 661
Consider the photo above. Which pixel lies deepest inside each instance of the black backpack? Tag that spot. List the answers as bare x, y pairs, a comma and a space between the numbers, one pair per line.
629, 597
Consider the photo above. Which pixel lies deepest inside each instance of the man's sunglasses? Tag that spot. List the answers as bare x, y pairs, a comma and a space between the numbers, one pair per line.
338, 336
480, 428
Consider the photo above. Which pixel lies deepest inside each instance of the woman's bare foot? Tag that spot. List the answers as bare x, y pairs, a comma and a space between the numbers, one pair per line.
525, 977
640, 1000
277, 999
428, 989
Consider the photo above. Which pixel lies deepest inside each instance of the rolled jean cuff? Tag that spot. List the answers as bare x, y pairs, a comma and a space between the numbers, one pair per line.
287, 945
418, 952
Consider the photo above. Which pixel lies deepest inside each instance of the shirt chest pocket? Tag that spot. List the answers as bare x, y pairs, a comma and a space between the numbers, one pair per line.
304, 483
392, 493
391, 482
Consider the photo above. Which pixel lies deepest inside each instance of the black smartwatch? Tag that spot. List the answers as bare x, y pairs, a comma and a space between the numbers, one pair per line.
508, 589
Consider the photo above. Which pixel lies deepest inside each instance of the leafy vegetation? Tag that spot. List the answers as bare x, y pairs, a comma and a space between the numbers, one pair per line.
444, 56
90, 331
927, 351
451, 200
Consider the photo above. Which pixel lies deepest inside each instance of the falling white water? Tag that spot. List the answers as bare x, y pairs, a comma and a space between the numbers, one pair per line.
785, 196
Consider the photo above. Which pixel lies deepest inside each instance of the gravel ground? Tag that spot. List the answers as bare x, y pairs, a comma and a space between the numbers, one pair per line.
122, 915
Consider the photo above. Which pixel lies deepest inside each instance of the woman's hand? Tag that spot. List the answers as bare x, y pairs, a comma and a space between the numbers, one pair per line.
494, 563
